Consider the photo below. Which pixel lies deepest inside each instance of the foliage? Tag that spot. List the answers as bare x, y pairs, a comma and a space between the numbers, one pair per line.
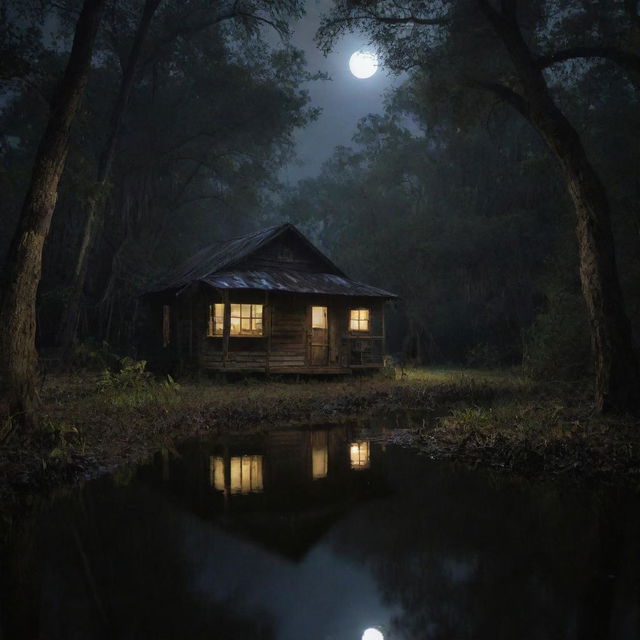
90, 355
557, 344
63, 439
134, 386
466, 261
209, 124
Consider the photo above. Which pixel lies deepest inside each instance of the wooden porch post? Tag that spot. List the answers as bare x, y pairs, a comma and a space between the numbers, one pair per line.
226, 327
266, 326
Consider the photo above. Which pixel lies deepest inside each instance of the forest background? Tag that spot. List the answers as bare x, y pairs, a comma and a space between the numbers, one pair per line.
450, 198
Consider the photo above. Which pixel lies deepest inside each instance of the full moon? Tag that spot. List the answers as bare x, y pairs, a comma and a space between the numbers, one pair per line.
372, 634
363, 64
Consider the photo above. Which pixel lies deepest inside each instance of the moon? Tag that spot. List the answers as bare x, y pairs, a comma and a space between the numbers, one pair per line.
363, 64
371, 633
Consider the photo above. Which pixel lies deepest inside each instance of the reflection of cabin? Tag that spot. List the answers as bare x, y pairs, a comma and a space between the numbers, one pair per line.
293, 457
283, 489
267, 302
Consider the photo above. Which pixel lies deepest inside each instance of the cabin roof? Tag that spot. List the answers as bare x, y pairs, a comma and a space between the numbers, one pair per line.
294, 282
214, 266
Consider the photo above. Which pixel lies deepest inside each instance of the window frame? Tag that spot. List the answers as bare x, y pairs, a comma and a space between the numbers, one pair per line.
360, 320
212, 320
254, 319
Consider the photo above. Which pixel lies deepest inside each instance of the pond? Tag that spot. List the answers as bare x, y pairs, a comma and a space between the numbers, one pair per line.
318, 534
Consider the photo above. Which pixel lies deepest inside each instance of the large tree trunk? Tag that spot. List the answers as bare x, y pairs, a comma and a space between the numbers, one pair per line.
69, 324
616, 366
18, 355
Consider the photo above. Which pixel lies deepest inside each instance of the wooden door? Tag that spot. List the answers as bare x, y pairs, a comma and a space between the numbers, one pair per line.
319, 334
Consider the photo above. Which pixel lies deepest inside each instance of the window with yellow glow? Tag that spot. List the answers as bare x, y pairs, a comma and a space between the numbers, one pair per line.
359, 320
246, 320
216, 319
243, 476
319, 455
360, 455
318, 317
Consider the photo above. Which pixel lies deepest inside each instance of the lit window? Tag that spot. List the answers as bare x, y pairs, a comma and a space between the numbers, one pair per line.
359, 454
318, 317
246, 320
216, 319
359, 320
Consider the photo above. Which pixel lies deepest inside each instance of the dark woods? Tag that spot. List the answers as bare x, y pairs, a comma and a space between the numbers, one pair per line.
184, 124
464, 197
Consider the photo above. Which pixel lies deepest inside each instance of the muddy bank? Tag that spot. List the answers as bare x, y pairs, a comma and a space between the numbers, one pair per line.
85, 433
496, 421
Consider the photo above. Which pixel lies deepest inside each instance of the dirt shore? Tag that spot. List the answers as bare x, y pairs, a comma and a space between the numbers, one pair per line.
486, 418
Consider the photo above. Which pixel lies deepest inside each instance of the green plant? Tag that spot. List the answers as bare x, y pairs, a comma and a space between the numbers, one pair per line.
133, 385
62, 438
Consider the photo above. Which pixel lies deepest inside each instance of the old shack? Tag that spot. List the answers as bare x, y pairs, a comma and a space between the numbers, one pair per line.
265, 302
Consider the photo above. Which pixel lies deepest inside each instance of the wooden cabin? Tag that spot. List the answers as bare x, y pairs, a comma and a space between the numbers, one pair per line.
266, 302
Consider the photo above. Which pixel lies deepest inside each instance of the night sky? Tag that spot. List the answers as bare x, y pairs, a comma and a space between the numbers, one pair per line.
343, 99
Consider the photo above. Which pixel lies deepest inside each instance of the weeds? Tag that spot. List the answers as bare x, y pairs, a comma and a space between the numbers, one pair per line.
134, 386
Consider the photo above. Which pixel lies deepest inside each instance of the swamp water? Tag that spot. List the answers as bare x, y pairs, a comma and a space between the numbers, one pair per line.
320, 534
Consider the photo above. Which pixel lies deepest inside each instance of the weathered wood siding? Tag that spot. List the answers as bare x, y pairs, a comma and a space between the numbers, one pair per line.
285, 346
285, 253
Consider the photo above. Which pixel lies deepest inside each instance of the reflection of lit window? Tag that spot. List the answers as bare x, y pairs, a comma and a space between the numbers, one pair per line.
245, 474
216, 472
216, 319
319, 455
318, 317
359, 453
359, 320
246, 320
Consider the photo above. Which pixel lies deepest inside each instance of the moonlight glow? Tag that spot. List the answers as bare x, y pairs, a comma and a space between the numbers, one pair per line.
363, 64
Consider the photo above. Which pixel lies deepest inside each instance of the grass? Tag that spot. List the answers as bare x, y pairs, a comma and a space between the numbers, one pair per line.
97, 422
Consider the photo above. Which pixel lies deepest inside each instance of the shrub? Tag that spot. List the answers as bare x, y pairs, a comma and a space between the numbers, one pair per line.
557, 346
133, 385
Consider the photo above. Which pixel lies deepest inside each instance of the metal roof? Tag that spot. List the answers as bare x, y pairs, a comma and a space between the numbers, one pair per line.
294, 282
214, 266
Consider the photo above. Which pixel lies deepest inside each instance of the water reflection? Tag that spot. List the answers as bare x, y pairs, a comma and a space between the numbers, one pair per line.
360, 455
237, 474
319, 534
319, 454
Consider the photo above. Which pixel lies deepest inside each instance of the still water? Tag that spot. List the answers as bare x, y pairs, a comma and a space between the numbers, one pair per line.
320, 534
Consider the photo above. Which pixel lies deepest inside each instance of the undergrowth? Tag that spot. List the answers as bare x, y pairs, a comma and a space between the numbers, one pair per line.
134, 386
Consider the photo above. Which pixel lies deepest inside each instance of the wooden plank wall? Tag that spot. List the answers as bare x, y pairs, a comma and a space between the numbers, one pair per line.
288, 333
284, 347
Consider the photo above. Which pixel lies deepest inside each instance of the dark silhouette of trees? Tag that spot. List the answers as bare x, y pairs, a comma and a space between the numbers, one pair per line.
18, 356
492, 47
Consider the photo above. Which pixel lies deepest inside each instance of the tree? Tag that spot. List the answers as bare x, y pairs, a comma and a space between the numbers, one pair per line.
185, 23
18, 355
491, 47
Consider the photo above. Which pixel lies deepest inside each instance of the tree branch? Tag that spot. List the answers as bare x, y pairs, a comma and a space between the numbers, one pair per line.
625, 59
506, 95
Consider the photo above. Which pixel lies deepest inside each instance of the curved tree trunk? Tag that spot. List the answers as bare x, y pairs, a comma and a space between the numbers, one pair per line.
616, 366
69, 324
18, 355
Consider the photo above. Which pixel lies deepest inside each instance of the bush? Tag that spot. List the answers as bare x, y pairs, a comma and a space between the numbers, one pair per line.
557, 345
133, 385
